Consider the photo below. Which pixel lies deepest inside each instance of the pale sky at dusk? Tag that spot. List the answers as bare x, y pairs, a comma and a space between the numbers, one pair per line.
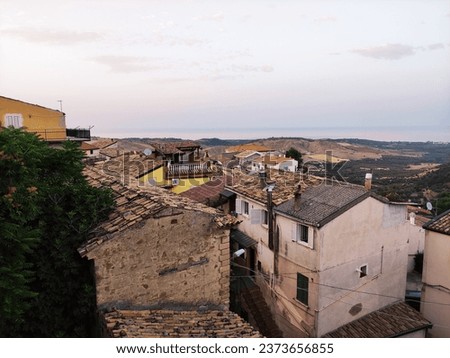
233, 69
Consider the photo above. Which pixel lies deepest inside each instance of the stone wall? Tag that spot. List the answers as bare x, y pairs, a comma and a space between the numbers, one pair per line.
180, 258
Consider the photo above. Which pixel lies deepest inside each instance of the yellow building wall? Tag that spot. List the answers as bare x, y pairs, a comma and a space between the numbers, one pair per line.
47, 123
186, 184
157, 176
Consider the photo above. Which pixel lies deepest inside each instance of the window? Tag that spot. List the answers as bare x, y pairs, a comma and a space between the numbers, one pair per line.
302, 233
362, 271
302, 288
13, 120
265, 217
245, 207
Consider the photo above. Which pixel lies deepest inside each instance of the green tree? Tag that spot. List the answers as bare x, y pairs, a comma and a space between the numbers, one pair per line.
443, 203
47, 211
294, 154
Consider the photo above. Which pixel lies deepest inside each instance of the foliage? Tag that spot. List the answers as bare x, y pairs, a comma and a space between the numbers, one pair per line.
294, 154
47, 210
443, 203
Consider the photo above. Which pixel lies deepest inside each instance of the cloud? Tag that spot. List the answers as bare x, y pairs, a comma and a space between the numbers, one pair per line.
436, 46
130, 64
250, 68
325, 19
214, 17
386, 52
53, 37
168, 40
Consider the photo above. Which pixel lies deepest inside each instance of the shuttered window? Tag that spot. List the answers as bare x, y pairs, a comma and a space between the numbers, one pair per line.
302, 288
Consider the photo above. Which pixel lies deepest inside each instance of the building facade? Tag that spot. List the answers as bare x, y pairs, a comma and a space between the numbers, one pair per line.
435, 300
328, 255
158, 249
48, 124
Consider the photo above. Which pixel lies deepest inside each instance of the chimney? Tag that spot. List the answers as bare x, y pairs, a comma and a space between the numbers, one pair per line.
412, 218
297, 197
368, 181
262, 178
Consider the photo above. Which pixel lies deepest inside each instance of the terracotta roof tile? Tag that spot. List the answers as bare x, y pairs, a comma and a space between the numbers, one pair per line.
87, 146
319, 204
391, 321
177, 324
135, 204
208, 192
246, 153
103, 143
440, 224
285, 185
128, 165
176, 147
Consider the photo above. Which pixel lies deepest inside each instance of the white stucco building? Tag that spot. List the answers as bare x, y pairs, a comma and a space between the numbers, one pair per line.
333, 254
435, 300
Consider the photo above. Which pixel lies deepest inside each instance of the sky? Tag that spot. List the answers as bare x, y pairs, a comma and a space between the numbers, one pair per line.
377, 69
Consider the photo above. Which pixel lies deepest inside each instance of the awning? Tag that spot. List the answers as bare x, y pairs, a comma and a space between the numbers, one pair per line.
242, 239
227, 194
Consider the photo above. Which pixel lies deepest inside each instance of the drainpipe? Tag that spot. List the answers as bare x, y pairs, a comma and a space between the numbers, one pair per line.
270, 215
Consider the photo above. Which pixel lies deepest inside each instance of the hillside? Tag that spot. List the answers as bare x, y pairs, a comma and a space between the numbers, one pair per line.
401, 170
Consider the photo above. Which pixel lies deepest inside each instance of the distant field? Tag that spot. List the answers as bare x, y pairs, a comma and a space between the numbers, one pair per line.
325, 158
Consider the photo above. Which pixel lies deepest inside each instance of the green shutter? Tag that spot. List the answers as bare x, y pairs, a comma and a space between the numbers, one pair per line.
302, 288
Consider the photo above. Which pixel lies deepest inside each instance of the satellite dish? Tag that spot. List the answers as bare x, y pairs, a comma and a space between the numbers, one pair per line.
429, 206
148, 151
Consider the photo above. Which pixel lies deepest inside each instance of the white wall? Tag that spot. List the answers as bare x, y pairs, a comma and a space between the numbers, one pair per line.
257, 232
435, 305
371, 233
416, 242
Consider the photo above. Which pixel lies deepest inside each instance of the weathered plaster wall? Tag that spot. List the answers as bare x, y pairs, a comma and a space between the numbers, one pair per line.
435, 299
181, 258
372, 234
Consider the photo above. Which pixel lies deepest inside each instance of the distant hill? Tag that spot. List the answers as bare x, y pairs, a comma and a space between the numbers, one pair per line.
214, 142
438, 180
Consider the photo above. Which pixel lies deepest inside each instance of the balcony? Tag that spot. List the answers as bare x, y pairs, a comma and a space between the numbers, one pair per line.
80, 134
189, 170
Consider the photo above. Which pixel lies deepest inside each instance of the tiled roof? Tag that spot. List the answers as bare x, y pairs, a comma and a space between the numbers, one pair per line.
135, 204
111, 152
440, 224
249, 146
319, 204
177, 324
103, 143
272, 160
391, 321
87, 146
174, 147
243, 239
128, 165
245, 154
208, 192
286, 183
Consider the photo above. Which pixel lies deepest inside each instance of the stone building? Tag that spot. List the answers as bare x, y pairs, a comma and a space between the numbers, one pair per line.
158, 249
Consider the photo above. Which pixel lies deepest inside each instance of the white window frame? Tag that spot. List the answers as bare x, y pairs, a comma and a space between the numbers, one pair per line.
298, 238
14, 120
363, 271
245, 208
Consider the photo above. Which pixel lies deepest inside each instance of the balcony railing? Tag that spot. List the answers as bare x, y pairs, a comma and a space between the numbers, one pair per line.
188, 170
78, 133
